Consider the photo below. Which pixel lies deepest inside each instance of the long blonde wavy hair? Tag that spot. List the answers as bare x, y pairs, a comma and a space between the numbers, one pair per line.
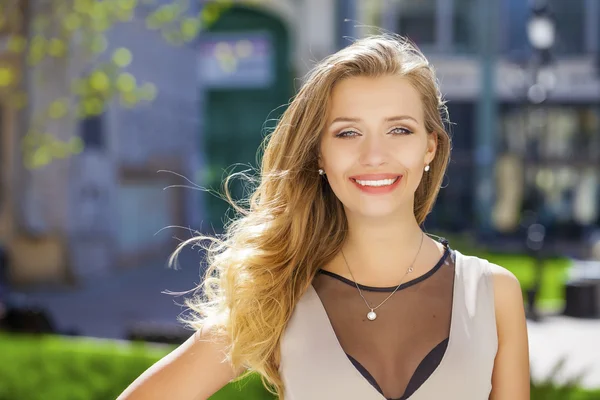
293, 223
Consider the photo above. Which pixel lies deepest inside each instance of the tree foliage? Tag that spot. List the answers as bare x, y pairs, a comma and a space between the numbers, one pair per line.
42, 33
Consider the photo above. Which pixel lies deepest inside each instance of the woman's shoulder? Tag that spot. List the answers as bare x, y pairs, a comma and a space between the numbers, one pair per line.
486, 267
507, 291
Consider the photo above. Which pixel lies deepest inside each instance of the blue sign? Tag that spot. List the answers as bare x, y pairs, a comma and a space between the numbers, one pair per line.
235, 60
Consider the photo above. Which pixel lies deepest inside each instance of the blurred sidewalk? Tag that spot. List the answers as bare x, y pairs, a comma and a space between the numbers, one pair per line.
575, 340
110, 305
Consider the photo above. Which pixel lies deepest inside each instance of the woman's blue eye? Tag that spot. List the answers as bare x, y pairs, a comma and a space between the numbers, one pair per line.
401, 131
346, 134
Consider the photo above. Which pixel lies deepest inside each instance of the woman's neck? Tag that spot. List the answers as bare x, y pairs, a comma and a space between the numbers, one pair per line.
378, 252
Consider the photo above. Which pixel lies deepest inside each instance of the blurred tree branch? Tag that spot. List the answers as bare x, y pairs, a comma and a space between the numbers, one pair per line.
64, 30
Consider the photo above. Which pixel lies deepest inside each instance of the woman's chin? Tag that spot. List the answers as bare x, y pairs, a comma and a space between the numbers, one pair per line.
376, 213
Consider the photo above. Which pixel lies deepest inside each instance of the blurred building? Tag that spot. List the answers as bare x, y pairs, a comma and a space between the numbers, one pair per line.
82, 216
124, 189
547, 160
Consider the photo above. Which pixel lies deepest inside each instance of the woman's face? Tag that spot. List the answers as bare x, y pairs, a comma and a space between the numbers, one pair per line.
374, 147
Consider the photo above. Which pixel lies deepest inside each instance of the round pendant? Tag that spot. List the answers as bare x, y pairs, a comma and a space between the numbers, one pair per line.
371, 316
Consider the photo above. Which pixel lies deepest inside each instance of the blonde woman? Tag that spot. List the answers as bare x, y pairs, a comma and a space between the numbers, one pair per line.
327, 286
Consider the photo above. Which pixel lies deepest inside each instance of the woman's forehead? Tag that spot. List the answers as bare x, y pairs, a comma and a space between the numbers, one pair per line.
371, 97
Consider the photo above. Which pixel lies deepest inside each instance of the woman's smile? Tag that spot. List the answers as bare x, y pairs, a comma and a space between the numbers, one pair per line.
376, 183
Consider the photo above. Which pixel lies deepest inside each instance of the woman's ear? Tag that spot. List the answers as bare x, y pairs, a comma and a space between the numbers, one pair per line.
432, 143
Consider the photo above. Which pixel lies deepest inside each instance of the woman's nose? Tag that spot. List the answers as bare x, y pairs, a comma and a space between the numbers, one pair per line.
373, 151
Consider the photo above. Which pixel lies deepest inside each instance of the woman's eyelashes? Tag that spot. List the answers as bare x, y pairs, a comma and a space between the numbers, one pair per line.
352, 133
347, 134
401, 131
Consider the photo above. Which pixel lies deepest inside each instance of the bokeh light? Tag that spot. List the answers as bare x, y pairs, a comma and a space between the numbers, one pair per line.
98, 44
57, 48
16, 44
148, 91
99, 81
7, 76
37, 49
126, 82
122, 57
76, 145
58, 108
210, 13
92, 106
190, 28
71, 22
243, 48
128, 99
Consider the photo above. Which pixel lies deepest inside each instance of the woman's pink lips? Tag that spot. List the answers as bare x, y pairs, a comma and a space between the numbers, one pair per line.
375, 177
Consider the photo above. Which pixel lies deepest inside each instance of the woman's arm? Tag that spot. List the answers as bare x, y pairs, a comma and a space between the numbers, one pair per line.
510, 379
193, 371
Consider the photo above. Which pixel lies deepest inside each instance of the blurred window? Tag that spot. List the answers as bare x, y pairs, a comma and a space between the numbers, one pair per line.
570, 25
559, 149
417, 20
517, 12
465, 25
558, 133
462, 125
92, 133
455, 203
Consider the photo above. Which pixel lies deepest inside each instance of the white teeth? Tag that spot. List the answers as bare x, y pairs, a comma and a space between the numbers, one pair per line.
382, 182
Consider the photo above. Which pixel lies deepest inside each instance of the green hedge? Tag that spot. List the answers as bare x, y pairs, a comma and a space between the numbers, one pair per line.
55, 368
567, 392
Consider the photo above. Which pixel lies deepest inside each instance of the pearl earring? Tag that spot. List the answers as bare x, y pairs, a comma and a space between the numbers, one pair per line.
427, 168
321, 172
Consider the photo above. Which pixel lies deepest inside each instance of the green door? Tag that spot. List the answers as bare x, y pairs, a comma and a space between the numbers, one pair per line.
236, 119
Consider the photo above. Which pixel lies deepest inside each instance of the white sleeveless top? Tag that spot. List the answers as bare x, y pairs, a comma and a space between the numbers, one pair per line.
314, 364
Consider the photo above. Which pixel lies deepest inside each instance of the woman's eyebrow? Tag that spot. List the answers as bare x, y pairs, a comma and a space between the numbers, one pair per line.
345, 119
401, 118
389, 119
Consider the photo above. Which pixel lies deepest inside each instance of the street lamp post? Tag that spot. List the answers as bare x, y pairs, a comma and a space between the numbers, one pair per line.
541, 31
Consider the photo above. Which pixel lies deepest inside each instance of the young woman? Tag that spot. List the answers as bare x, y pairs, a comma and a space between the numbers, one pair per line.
327, 285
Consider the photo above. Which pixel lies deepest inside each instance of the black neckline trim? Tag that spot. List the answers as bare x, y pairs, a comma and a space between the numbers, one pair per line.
392, 288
